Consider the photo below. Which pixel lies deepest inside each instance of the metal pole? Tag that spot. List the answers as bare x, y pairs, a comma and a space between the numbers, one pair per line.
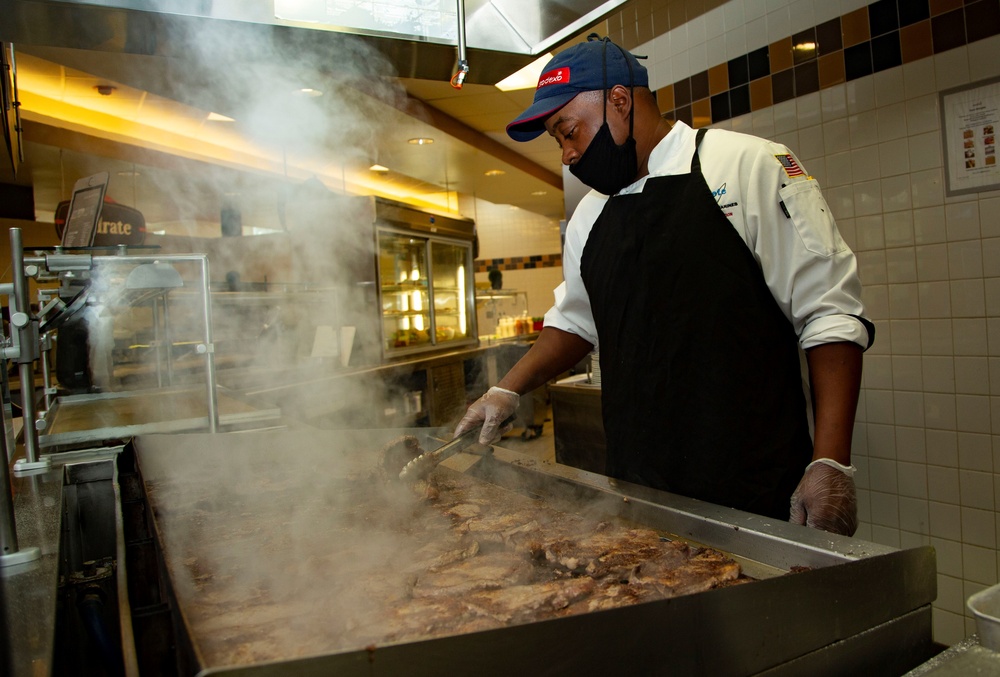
168, 340
157, 342
10, 553
213, 402
47, 373
28, 345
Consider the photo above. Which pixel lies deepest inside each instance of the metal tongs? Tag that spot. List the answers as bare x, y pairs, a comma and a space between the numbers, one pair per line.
423, 464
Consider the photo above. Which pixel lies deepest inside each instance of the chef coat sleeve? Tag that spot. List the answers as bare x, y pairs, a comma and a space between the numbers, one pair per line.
571, 311
810, 270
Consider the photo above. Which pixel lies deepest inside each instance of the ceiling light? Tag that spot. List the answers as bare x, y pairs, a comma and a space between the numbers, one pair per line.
420, 141
527, 77
494, 172
539, 193
218, 117
805, 46
309, 91
378, 168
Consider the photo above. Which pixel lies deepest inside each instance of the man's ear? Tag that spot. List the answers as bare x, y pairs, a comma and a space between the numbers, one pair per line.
620, 99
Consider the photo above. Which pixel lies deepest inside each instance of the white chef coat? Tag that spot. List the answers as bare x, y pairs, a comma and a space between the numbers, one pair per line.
779, 212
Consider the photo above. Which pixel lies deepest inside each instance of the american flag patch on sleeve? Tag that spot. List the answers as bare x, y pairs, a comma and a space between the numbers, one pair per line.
790, 165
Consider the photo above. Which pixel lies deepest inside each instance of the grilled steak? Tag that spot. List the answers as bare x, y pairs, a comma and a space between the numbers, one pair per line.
266, 570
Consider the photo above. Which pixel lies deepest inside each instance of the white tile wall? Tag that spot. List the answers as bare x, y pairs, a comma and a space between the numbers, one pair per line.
505, 232
927, 439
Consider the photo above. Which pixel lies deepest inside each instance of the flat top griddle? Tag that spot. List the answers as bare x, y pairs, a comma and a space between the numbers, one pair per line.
260, 533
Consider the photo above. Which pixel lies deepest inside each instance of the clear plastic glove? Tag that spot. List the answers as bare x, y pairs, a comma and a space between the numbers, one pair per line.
826, 499
490, 410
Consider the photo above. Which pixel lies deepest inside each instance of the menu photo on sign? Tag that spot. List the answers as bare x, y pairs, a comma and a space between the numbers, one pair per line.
970, 117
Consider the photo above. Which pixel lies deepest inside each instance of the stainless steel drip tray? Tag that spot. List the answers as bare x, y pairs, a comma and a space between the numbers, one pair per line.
268, 501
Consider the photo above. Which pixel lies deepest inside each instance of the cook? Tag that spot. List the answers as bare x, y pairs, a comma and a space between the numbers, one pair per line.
700, 263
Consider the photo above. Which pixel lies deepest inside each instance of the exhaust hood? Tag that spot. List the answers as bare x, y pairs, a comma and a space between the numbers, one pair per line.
418, 37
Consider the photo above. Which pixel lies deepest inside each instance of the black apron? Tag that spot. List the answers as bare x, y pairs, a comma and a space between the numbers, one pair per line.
701, 387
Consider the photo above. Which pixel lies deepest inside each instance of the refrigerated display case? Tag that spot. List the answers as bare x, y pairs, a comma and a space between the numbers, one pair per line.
425, 278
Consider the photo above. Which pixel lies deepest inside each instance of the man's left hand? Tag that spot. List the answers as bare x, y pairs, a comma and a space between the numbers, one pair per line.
826, 499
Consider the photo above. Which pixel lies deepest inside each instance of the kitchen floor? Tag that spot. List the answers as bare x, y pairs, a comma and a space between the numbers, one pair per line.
540, 446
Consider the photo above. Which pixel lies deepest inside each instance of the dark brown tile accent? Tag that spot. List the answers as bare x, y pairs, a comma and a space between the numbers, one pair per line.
780, 54
806, 78
760, 93
948, 30
759, 63
886, 52
739, 100
855, 25
829, 37
982, 20
718, 78
720, 107
682, 92
739, 71
858, 61
915, 41
944, 6
804, 46
665, 98
701, 113
882, 17
699, 86
683, 114
517, 263
912, 11
831, 70
783, 86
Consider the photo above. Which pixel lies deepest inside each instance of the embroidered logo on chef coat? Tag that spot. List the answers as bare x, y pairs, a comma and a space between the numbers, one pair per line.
726, 205
790, 166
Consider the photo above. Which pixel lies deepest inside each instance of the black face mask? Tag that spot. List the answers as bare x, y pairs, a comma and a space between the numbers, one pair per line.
605, 166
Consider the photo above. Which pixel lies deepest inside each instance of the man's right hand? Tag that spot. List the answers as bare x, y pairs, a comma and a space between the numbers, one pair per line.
496, 406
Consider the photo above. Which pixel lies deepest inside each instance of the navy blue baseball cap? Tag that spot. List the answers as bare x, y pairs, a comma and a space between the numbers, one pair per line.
577, 69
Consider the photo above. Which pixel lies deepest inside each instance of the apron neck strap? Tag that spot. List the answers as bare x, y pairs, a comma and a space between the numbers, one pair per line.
696, 161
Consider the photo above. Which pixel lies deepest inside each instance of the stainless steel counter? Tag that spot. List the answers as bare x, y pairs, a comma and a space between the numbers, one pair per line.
968, 658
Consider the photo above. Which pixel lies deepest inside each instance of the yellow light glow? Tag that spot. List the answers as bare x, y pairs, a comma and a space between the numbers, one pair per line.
418, 305
378, 168
218, 117
494, 172
527, 77
63, 98
420, 141
805, 46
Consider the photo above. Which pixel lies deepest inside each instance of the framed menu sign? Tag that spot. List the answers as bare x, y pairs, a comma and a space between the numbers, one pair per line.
970, 118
